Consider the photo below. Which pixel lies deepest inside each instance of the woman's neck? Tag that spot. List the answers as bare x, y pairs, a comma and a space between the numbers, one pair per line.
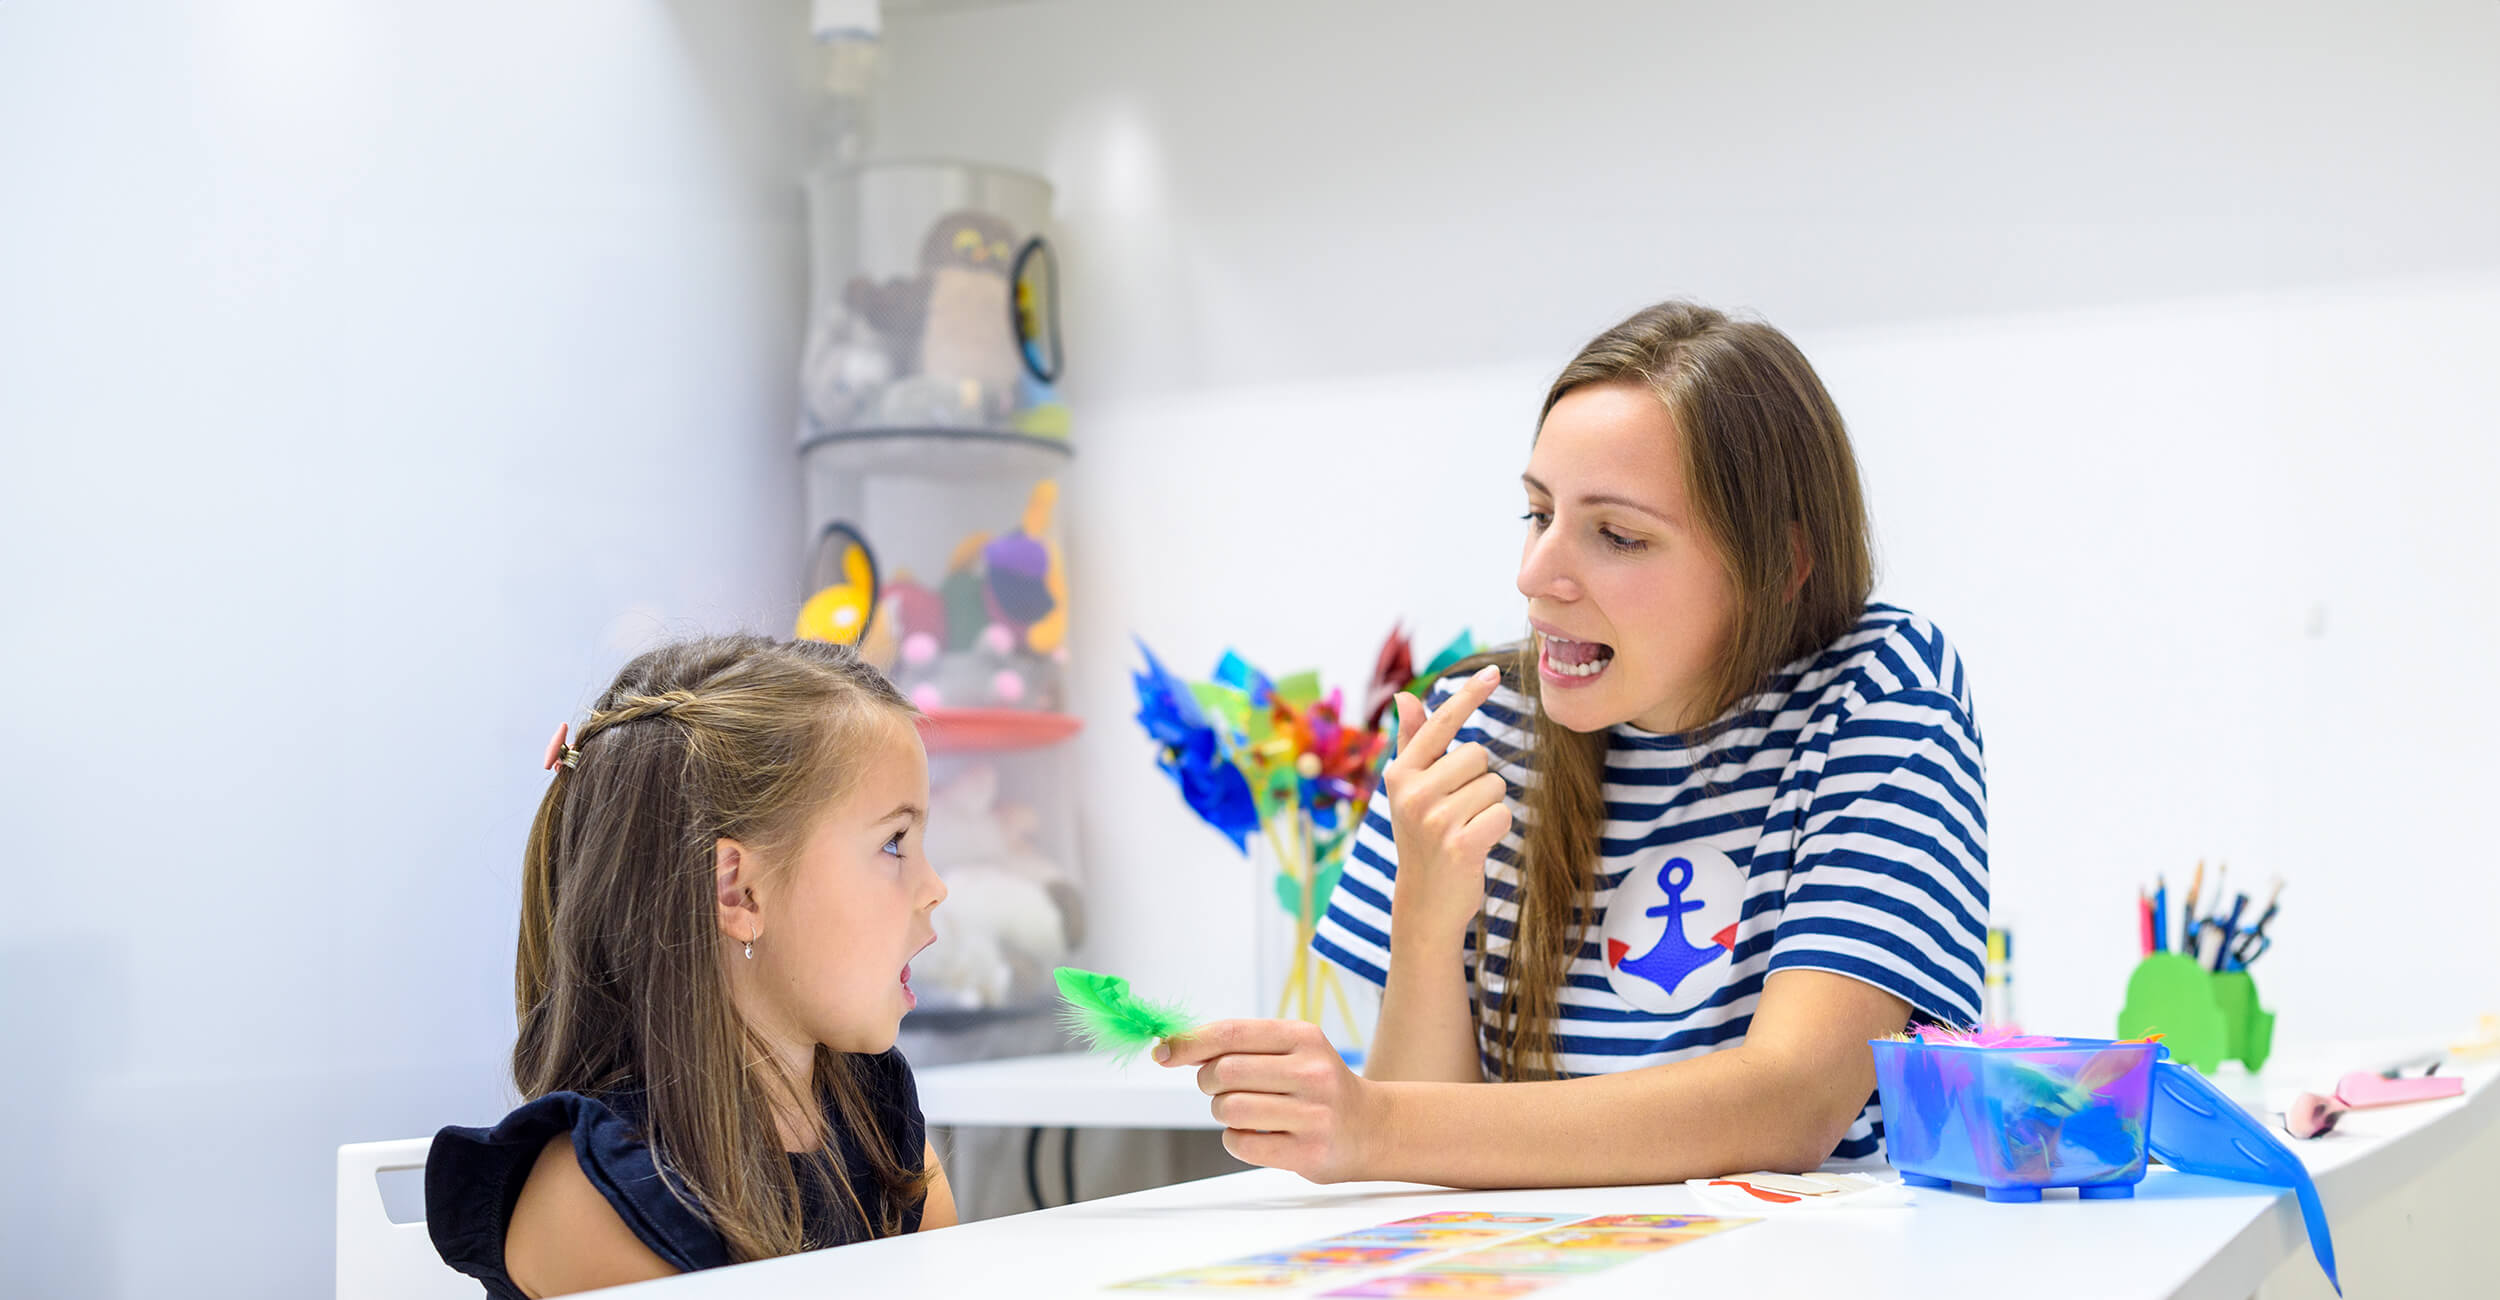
1670, 718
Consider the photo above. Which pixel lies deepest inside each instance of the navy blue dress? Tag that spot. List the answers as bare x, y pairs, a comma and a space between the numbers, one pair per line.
473, 1176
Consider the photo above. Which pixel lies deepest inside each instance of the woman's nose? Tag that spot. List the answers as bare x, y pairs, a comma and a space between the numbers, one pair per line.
1544, 570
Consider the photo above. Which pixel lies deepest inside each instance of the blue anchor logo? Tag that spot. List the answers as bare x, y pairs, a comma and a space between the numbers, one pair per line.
1673, 957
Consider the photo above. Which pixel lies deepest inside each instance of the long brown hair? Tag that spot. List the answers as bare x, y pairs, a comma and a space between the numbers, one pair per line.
619, 982
1768, 460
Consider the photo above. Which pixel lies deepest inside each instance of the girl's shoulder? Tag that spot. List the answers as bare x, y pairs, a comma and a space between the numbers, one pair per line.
474, 1178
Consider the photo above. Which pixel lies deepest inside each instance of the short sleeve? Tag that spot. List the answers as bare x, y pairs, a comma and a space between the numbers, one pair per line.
473, 1178
1891, 878
1354, 931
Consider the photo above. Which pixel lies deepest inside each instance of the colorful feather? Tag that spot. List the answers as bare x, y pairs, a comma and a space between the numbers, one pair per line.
1111, 1018
1983, 1036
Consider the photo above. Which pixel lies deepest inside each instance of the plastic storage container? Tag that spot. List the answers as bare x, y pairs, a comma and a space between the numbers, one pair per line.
2085, 1113
2016, 1120
931, 449
933, 301
963, 534
940, 555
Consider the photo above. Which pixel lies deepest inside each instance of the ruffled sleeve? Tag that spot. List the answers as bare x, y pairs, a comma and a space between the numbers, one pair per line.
473, 1178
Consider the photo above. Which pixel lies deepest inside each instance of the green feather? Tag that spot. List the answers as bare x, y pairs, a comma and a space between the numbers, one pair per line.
1101, 1010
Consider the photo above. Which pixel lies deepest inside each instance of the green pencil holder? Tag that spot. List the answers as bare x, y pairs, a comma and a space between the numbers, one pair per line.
2204, 1017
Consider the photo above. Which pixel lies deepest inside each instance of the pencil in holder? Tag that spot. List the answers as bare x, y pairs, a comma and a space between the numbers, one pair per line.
2204, 1017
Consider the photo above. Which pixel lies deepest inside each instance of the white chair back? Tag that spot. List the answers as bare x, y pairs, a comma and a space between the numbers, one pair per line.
379, 1259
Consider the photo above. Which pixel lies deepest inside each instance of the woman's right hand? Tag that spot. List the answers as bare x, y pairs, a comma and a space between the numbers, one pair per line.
1446, 809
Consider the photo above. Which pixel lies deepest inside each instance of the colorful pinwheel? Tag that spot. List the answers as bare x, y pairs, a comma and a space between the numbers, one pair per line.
1274, 756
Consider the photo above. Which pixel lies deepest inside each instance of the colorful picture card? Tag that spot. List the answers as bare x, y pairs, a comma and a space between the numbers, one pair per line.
1409, 1242
1508, 1219
1429, 1236
1449, 1253
1544, 1258
1441, 1286
1231, 1277
1539, 1259
1677, 1222
1337, 1254
1636, 1240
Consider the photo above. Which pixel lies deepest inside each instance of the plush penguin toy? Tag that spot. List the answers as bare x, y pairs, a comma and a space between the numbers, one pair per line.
968, 329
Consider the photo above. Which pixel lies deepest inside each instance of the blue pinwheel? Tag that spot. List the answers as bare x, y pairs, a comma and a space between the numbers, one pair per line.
1195, 753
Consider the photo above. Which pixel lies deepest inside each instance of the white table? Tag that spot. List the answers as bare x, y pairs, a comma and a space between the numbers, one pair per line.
2180, 1236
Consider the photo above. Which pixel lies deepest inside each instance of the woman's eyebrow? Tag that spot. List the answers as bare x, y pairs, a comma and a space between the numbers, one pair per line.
904, 809
1601, 499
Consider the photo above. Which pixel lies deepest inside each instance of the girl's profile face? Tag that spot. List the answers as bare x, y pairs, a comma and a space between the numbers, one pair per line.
852, 908
1629, 598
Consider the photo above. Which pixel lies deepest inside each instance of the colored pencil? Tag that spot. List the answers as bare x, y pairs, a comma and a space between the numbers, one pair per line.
2187, 914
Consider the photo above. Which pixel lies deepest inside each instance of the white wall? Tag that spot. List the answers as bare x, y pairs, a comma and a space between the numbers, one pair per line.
373, 378
2213, 562
1308, 188
2164, 333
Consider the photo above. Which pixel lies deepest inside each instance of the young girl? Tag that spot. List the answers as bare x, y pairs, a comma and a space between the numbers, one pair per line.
1754, 838
720, 901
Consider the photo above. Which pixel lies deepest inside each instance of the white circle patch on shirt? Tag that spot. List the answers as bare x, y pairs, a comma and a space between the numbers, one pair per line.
1670, 932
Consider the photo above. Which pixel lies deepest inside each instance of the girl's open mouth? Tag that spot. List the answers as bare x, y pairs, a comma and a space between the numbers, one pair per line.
911, 998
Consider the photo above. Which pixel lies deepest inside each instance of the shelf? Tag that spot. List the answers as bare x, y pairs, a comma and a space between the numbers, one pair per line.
936, 452
991, 731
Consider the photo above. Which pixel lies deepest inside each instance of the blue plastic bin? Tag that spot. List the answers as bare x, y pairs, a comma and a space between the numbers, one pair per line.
2084, 1113
2015, 1120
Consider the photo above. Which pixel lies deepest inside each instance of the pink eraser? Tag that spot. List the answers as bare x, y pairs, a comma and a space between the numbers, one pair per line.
2311, 1115
2362, 1088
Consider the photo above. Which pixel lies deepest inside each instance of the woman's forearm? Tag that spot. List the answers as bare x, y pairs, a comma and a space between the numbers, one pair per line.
1427, 1032
1782, 1099
1728, 1112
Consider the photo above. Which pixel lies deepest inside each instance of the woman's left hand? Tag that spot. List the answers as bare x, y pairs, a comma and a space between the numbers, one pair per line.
1284, 1096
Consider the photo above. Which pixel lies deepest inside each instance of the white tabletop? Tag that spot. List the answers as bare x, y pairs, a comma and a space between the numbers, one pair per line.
2180, 1236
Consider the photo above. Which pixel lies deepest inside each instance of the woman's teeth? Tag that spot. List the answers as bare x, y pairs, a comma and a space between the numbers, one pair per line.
1567, 658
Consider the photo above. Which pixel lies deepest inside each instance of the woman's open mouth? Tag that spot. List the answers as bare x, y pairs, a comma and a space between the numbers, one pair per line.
1565, 662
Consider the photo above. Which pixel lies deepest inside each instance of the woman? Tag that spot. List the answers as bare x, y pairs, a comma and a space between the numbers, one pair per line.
1755, 836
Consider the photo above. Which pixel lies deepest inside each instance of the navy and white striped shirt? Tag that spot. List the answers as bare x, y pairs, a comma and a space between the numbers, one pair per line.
1840, 824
